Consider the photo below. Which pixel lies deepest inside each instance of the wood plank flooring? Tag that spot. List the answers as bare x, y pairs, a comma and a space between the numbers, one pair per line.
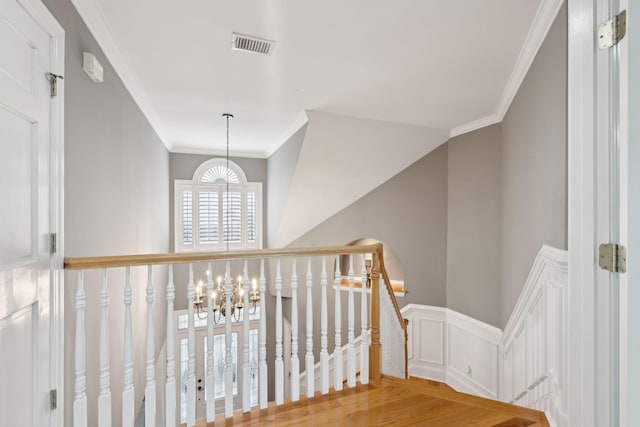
390, 402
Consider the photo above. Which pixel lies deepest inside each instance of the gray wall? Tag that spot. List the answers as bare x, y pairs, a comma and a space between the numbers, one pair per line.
473, 224
408, 213
488, 200
116, 202
281, 167
534, 165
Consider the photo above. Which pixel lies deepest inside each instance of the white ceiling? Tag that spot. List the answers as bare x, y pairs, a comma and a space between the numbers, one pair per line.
449, 64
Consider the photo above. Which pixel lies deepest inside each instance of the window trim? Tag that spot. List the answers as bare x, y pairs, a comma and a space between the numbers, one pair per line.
195, 186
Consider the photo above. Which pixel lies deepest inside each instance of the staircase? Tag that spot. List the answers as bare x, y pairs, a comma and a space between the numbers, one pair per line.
390, 401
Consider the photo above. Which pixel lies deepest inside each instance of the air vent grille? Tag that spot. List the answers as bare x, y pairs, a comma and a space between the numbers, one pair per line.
251, 44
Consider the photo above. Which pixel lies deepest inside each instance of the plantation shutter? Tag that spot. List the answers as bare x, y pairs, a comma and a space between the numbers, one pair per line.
232, 217
208, 217
187, 217
251, 217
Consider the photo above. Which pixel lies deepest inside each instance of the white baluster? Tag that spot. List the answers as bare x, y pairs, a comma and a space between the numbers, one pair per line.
279, 350
309, 362
295, 362
246, 369
364, 342
324, 342
128, 395
351, 355
228, 361
150, 388
191, 348
210, 374
104, 397
170, 385
263, 382
337, 351
80, 402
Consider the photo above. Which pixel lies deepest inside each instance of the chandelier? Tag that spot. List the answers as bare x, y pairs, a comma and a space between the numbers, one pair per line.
218, 298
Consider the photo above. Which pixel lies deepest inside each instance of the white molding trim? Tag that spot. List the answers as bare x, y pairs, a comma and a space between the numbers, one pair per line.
93, 16
483, 122
581, 239
546, 257
534, 370
542, 22
448, 346
178, 149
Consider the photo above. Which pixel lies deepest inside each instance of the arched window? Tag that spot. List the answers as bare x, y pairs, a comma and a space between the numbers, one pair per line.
208, 218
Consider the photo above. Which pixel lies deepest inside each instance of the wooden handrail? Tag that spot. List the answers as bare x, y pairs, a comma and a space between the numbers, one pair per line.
387, 284
190, 257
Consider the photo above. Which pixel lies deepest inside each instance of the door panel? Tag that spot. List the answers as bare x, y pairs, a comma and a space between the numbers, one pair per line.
25, 313
16, 154
15, 400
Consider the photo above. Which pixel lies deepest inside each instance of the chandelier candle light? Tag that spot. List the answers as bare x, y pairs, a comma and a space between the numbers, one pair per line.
218, 299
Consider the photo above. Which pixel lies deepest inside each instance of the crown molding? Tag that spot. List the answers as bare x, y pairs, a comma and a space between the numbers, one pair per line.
93, 16
489, 120
546, 14
221, 153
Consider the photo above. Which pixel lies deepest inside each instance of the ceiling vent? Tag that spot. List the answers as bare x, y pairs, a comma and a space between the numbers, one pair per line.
251, 44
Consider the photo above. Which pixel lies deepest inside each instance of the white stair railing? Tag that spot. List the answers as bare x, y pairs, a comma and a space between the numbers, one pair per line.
352, 357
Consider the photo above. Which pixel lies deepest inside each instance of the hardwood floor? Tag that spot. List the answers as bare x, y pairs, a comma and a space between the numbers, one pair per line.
391, 402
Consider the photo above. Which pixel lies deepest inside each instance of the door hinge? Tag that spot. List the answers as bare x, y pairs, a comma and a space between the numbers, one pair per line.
53, 243
53, 83
53, 399
613, 257
612, 31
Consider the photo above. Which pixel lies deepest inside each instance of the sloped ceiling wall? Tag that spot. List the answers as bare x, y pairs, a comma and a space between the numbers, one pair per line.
342, 159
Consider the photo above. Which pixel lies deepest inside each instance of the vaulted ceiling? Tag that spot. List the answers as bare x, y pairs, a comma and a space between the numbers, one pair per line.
448, 64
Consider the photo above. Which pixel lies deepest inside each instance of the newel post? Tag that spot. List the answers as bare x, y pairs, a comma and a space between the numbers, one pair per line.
375, 350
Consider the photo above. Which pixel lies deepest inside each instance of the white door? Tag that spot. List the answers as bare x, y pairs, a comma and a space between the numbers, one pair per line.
27, 367
219, 353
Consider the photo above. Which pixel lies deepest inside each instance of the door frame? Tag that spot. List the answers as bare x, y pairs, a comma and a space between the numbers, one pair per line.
41, 14
630, 229
586, 221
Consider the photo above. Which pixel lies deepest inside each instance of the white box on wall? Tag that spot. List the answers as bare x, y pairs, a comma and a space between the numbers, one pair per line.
92, 67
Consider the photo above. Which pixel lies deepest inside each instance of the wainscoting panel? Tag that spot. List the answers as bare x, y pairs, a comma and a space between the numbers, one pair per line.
427, 352
526, 365
447, 346
534, 372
